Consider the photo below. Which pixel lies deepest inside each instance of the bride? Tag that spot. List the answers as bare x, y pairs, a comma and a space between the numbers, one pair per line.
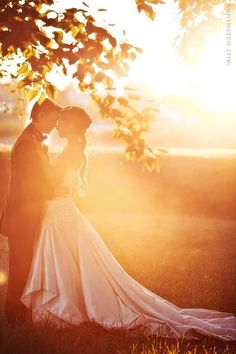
75, 278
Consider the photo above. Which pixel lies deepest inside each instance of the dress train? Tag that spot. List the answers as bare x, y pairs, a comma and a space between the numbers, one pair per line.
75, 278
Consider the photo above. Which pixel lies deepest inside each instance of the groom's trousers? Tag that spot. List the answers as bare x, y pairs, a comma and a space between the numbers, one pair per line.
21, 246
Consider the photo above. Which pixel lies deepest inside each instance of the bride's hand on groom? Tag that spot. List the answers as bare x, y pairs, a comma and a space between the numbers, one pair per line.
61, 191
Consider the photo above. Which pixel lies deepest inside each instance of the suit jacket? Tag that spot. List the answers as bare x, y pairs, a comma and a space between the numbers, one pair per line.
30, 185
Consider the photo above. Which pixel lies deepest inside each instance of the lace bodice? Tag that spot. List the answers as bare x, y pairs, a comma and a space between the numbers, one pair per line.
69, 178
61, 205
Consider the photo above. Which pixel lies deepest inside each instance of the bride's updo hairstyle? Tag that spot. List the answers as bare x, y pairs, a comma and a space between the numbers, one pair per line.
80, 121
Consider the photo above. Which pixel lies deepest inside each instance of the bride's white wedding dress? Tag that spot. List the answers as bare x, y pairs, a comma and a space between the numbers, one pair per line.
75, 278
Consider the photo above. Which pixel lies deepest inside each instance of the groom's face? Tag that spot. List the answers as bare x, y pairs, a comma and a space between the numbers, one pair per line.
48, 121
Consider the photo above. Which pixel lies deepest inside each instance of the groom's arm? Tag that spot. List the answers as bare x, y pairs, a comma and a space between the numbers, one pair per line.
32, 171
61, 191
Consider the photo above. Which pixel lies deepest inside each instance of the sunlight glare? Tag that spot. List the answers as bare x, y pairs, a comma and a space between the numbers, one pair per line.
57, 78
3, 277
214, 80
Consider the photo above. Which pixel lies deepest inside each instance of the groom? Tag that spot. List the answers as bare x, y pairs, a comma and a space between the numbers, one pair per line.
30, 185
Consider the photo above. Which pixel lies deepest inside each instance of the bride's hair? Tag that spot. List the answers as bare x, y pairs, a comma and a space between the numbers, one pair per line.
83, 169
81, 122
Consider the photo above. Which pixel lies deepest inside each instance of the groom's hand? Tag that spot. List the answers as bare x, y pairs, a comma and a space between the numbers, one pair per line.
61, 191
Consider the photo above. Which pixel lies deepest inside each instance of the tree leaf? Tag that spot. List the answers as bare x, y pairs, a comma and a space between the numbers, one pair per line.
31, 94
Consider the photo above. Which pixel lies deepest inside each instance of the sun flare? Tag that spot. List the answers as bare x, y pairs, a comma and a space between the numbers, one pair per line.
213, 80
210, 81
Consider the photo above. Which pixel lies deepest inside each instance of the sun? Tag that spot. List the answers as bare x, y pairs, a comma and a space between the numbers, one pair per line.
212, 79
57, 78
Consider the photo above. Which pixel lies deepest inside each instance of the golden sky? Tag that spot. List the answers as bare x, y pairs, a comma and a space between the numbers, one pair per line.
196, 102
210, 82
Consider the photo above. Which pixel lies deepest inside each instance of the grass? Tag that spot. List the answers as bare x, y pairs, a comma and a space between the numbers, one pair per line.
91, 338
186, 258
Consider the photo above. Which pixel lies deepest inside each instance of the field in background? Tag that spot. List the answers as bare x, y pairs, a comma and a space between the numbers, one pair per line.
174, 232
186, 185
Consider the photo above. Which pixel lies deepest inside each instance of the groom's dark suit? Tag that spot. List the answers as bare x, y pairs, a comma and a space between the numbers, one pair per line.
30, 185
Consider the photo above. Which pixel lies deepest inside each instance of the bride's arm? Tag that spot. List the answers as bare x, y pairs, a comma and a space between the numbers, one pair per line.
61, 191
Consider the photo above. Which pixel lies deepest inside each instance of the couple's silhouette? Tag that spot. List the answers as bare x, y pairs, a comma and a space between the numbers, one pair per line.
59, 267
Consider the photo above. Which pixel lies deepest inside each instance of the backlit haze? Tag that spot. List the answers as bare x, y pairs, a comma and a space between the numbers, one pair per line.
196, 102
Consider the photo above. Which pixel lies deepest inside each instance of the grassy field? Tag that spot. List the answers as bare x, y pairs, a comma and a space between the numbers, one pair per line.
175, 233
186, 185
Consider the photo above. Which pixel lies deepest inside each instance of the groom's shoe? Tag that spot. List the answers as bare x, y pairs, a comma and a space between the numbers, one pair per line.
19, 320
18, 315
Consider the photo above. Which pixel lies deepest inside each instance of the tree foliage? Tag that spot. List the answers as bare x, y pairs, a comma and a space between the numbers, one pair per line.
35, 37
199, 19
